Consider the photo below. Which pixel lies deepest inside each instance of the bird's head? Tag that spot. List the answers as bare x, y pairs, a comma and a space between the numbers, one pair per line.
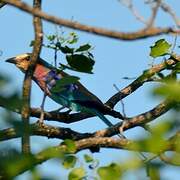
21, 61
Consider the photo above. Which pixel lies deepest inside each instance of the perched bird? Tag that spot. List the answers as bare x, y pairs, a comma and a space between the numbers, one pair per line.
73, 96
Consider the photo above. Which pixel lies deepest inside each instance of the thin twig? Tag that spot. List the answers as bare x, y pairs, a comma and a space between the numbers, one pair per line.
122, 103
140, 34
154, 14
170, 160
168, 9
129, 4
141, 80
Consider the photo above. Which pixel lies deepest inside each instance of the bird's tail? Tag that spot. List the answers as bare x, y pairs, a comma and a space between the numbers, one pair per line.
103, 118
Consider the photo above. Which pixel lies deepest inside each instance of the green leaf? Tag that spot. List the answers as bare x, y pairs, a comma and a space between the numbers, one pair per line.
152, 171
111, 172
156, 142
177, 67
66, 50
160, 48
77, 174
71, 146
170, 89
69, 161
80, 63
73, 38
161, 75
58, 44
84, 47
51, 37
13, 101
32, 43
88, 158
61, 83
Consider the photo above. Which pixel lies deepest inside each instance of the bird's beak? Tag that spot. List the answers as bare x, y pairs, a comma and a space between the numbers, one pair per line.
11, 60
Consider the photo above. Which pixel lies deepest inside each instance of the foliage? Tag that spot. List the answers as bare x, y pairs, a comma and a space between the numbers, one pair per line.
160, 48
79, 58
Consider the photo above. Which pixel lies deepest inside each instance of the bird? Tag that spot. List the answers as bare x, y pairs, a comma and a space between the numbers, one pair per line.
73, 96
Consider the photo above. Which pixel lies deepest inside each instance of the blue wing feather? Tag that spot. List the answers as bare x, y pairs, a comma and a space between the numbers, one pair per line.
74, 96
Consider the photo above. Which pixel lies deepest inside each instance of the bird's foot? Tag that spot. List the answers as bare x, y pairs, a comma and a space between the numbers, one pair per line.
58, 110
40, 121
68, 111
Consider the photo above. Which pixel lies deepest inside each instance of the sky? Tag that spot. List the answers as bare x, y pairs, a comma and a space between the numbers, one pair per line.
115, 59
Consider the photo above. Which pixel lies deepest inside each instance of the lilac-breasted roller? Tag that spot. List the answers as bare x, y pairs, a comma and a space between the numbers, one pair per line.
73, 96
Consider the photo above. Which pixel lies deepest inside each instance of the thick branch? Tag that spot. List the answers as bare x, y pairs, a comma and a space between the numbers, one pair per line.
91, 29
27, 80
175, 161
70, 118
63, 133
54, 152
45, 130
139, 120
145, 77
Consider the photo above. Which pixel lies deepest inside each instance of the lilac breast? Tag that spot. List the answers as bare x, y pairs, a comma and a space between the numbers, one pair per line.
53, 76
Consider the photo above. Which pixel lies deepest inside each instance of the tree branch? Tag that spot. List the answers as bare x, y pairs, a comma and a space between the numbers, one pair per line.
70, 118
2, 4
28, 78
144, 33
147, 74
47, 131
168, 9
154, 14
175, 161
63, 133
96, 142
139, 120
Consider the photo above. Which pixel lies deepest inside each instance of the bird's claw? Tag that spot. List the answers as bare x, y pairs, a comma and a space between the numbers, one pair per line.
67, 112
57, 110
40, 123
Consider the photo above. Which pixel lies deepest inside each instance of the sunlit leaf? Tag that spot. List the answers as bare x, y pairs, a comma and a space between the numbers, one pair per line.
73, 38
152, 170
111, 172
69, 161
170, 89
80, 62
88, 158
160, 48
70, 144
156, 142
51, 37
77, 174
